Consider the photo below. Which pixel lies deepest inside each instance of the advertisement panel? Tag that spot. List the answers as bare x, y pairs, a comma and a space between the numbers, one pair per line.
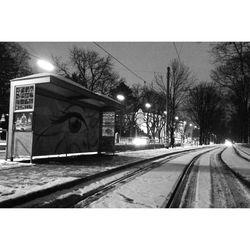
108, 131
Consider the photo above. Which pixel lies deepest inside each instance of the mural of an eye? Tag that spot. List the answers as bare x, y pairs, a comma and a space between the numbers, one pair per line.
65, 128
74, 125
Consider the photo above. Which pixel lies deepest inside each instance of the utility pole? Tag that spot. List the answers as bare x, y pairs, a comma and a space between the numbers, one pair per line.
167, 108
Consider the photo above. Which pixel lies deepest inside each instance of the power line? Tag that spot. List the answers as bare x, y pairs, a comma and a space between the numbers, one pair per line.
177, 52
130, 70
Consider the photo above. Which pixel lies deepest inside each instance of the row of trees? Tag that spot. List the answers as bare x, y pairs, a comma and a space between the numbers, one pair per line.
199, 103
205, 104
232, 76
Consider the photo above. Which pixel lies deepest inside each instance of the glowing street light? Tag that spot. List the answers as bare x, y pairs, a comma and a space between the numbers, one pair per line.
2, 118
190, 124
176, 118
120, 97
184, 123
148, 105
45, 65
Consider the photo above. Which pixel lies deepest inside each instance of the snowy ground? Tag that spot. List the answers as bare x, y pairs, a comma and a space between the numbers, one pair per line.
20, 178
237, 164
209, 185
243, 150
148, 190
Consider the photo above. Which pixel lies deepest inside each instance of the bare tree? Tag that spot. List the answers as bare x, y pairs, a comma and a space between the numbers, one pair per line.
89, 69
154, 116
233, 74
14, 62
180, 80
204, 107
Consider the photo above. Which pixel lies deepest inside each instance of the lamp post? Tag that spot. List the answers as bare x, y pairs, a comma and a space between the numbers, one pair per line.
120, 98
148, 106
167, 106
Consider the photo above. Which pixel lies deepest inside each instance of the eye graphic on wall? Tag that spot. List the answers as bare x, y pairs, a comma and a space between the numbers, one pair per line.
74, 125
74, 119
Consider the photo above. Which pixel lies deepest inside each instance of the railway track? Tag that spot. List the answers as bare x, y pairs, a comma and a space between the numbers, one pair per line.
228, 188
128, 172
241, 153
176, 196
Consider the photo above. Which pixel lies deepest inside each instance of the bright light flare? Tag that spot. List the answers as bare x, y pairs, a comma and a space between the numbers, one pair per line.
140, 141
228, 143
120, 97
45, 65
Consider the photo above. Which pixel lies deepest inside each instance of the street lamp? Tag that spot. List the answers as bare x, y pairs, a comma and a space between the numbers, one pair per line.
120, 97
148, 105
176, 118
2, 118
45, 65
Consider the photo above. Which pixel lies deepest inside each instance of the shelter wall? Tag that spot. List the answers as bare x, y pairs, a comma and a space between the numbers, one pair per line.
62, 127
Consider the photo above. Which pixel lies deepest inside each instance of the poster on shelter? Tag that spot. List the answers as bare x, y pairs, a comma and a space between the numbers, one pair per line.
23, 121
62, 127
108, 124
24, 97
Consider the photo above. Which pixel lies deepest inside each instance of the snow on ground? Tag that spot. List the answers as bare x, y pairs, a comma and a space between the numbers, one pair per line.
203, 185
20, 178
244, 150
236, 163
148, 190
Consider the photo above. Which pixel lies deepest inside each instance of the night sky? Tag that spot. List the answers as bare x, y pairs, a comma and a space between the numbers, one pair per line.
144, 58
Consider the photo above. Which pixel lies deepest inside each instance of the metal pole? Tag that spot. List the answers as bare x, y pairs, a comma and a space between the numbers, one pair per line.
167, 104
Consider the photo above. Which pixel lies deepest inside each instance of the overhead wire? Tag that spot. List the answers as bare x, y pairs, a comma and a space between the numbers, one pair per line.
178, 55
130, 70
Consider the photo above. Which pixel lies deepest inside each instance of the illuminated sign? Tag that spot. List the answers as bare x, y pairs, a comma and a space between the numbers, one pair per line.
108, 124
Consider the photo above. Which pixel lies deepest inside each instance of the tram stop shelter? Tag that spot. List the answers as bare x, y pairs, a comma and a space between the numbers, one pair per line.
52, 115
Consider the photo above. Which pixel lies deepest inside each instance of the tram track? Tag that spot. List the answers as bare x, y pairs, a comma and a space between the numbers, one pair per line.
175, 197
240, 153
228, 188
94, 194
28, 201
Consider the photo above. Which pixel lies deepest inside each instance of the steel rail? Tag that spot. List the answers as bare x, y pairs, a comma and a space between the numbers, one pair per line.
175, 197
238, 152
18, 201
96, 193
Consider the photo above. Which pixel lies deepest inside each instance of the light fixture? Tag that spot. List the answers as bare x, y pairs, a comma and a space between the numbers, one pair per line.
2, 118
120, 97
45, 65
148, 105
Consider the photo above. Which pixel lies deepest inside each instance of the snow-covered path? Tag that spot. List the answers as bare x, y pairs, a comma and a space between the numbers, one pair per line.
210, 184
18, 179
236, 163
149, 190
